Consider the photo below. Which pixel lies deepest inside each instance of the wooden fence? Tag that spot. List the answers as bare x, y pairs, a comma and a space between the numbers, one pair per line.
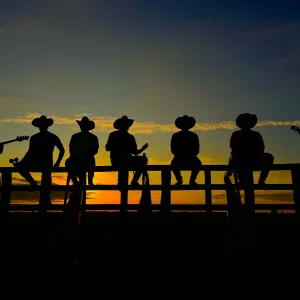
165, 187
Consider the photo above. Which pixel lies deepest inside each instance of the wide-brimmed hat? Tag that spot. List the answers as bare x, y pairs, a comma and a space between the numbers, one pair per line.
246, 121
185, 122
123, 122
86, 123
42, 121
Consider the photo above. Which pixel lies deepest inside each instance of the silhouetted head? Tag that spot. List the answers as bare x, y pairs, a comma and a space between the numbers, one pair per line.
123, 123
246, 121
185, 122
86, 124
42, 123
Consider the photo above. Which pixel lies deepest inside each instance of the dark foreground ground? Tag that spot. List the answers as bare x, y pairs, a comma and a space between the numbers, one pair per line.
173, 244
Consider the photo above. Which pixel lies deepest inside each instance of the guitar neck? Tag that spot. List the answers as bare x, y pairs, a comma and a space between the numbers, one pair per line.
8, 142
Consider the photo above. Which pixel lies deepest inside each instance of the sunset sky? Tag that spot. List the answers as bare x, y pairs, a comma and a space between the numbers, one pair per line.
153, 61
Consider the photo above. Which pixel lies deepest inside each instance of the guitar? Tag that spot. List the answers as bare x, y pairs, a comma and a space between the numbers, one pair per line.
17, 139
295, 128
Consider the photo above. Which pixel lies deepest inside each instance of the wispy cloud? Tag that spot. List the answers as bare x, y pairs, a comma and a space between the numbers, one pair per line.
105, 124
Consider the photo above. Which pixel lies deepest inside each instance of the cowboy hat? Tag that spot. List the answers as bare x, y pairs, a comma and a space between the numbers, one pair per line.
42, 120
123, 122
185, 122
246, 121
86, 123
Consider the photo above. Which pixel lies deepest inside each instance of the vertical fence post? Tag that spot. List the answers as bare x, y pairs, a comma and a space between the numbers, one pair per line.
208, 196
5, 193
123, 182
296, 189
249, 194
165, 200
81, 211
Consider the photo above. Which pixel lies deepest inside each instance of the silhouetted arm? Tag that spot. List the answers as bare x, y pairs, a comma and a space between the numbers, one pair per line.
1, 148
174, 145
260, 144
197, 145
61, 150
233, 142
71, 148
109, 143
134, 149
94, 150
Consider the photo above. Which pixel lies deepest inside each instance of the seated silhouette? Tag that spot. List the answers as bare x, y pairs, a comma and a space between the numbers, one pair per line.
123, 149
185, 147
40, 153
83, 147
248, 148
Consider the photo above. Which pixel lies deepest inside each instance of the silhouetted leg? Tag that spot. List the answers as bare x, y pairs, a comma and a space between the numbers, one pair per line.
45, 191
139, 165
196, 167
91, 177
120, 166
175, 166
266, 164
71, 167
74, 178
91, 172
27, 176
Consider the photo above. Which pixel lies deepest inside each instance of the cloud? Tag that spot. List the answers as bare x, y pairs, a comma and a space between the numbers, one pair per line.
105, 124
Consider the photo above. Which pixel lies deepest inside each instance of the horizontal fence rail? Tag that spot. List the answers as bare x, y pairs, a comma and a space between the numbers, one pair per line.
165, 187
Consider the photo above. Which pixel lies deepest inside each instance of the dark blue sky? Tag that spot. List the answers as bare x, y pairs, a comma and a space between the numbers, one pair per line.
153, 60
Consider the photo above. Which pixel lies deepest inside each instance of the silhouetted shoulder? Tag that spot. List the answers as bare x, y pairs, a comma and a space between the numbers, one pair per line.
53, 136
94, 138
193, 134
114, 133
75, 135
34, 136
84, 139
256, 133
181, 134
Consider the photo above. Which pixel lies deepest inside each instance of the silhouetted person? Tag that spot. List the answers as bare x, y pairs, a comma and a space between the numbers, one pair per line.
83, 147
185, 147
123, 149
1, 148
248, 148
40, 153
